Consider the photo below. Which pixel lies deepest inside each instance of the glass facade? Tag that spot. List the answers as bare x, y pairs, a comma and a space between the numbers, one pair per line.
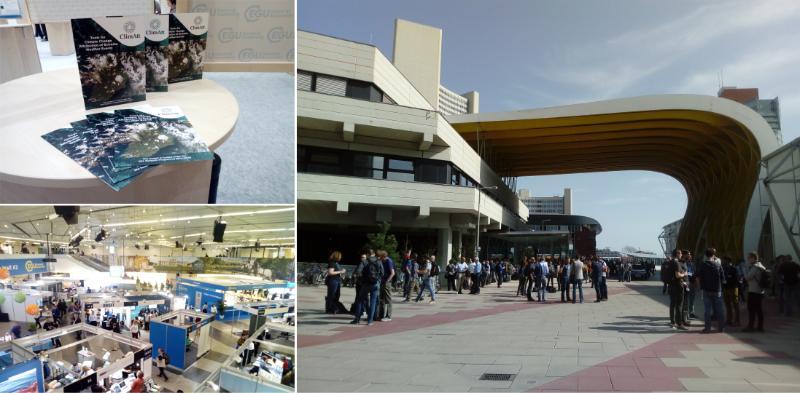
378, 166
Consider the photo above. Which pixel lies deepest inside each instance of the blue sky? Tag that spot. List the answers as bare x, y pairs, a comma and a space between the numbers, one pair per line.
530, 54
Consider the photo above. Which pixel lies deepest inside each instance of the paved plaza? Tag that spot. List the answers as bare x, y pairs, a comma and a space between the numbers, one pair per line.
624, 344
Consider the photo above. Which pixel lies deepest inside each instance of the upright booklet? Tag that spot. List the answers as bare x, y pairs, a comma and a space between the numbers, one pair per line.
156, 42
111, 59
188, 33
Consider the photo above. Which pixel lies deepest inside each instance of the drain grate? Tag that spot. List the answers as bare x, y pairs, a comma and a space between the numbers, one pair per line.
497, 377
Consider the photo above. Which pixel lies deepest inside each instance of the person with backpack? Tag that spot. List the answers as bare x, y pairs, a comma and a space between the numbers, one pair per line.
385, 309
500, 272
564, 274
597, 268
674, 272
434, 274
370, 273
408, 275
758, 280
731, 291
522, 277
425, 272
711, 278
161, 362
665, 279
450, 275
789, 273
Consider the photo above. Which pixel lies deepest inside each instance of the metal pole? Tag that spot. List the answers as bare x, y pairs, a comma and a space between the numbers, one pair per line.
478, 225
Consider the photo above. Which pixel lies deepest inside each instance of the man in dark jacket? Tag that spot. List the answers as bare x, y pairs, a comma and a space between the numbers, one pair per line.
712, 280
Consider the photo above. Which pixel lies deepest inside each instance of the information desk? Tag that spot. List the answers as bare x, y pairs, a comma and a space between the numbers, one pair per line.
33, 171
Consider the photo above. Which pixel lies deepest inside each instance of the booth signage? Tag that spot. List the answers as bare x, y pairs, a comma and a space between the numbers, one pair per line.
21, 267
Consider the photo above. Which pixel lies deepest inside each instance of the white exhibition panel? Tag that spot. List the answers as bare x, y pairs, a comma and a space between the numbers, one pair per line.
64, 10
248, 31
16, 311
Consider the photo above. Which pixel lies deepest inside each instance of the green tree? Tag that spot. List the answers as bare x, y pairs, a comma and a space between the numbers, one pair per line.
383, 240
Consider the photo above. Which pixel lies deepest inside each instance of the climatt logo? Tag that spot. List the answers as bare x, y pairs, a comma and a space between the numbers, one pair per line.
129, 26
155, 24
279, 34
198, 23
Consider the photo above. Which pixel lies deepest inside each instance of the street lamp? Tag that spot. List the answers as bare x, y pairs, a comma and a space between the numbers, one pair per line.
478, 224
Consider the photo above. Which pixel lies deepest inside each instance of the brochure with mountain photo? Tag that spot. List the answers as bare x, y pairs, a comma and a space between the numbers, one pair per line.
156, 45
156, 135
186, 51
74, 144
111, 59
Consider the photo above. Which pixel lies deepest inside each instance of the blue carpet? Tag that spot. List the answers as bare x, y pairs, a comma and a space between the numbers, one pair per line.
258, 159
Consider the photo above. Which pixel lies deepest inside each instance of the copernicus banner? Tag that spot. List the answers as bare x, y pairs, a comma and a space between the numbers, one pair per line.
21, 267
248, 31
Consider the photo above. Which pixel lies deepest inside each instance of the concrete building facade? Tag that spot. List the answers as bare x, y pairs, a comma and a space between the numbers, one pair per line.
373, 149
547, 205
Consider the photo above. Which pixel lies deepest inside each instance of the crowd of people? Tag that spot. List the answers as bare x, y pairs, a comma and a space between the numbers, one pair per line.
375, 277
723, 286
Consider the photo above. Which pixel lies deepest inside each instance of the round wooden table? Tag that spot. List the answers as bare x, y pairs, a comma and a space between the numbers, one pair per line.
33, 171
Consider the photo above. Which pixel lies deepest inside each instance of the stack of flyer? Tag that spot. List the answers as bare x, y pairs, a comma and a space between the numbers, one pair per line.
118, 146
120, 59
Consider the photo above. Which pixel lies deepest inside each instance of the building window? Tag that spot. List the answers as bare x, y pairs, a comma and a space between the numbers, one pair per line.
400, 170
305, 81
363, 91
343, 87
324, 162
432, 172
331, 85
368, 165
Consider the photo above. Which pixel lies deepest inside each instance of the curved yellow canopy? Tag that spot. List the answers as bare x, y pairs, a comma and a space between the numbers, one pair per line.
712, 146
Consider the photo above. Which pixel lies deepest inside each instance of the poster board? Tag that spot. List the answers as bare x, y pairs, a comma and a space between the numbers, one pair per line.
248, 35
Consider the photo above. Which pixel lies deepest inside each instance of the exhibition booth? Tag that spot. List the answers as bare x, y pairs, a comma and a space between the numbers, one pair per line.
86, 355
269, 368
126, 308
183, 334
211, 289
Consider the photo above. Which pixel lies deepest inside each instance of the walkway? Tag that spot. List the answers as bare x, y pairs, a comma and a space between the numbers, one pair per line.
621, 345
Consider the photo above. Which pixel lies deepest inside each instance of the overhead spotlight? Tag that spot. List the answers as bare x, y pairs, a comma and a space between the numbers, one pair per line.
199, 241
69, 213
93, 247
101, 236
146, 246
185, 248
219, 230
76, 241
178, 244
137, 246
